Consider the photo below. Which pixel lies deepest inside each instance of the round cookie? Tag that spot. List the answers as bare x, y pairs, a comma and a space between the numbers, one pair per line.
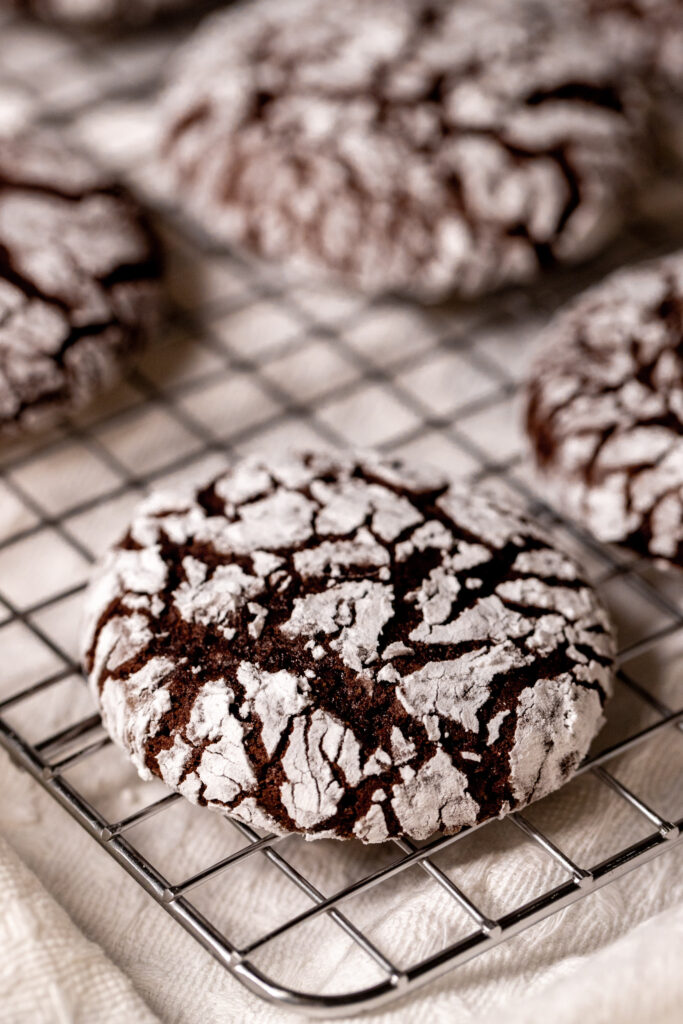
405, 145
346, 648
605, 409
79, 282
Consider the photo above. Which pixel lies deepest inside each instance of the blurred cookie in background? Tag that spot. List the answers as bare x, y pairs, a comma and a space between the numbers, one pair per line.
108, 13
79, 282
421, 147
654, 27
651, 31
605, 409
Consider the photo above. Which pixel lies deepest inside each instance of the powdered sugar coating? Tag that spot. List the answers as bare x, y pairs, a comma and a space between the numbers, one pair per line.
410, 145
78, 282
458, 675
605, 409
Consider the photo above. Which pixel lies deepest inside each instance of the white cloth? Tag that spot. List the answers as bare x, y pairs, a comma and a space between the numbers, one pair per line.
637, 979
49, 972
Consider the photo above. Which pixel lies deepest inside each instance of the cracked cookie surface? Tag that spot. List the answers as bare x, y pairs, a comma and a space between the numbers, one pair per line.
79, 287
412, 146
605, 409
346, 648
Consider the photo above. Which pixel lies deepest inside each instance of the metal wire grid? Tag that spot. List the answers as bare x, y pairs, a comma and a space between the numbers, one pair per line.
394, 395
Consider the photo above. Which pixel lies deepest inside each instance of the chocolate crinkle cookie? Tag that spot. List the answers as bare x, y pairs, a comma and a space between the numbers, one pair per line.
346, 648
605, 409
406, 145
79, 282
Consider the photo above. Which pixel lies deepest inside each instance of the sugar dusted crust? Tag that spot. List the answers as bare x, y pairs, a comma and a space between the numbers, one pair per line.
78, 282
605, 409
428, 147
346, 648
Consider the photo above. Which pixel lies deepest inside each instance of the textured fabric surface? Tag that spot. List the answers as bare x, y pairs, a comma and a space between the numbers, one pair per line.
600, 988
48, 970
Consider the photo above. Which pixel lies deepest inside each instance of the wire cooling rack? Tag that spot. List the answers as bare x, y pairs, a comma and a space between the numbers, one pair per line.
251, 362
